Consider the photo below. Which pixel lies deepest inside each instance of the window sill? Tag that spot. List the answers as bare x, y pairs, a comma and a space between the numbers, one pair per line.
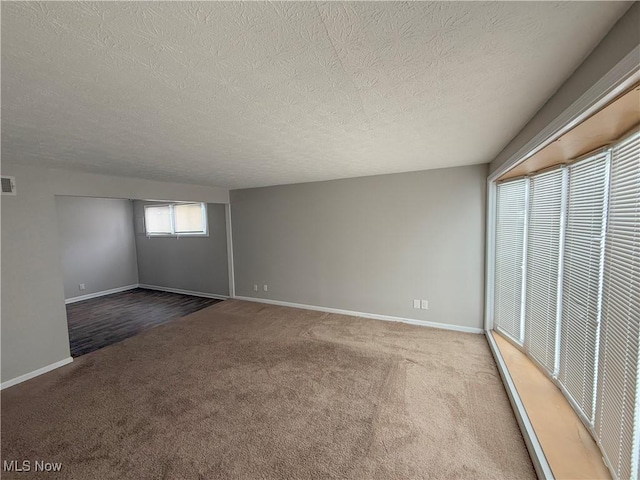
183, 235
568, 447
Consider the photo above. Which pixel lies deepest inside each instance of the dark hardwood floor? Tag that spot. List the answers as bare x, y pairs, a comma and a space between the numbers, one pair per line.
101, 321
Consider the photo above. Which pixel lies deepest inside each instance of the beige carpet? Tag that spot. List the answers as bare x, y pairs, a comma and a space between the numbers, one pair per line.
244, 390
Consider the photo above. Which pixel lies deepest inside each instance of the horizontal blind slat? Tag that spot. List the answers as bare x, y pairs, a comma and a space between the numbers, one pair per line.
542, 257
509, 256
581, 281
616, 416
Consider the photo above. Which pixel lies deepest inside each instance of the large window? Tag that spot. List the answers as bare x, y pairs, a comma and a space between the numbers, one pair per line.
581, 281
176, 219
567, 288
617, 422
509, 257
544, 218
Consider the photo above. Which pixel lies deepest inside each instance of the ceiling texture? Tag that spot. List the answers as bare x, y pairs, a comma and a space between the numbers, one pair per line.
254, 94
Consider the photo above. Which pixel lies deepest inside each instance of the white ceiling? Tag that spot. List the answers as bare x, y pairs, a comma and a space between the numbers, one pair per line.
253, 94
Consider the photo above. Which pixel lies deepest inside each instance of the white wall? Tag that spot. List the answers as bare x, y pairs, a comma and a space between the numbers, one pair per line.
370, 244
34, 328
97, 244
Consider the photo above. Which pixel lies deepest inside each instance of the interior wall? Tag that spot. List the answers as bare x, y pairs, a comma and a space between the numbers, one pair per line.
370, 244
618, 43
34, 321
198, 264
97, 244
34, 326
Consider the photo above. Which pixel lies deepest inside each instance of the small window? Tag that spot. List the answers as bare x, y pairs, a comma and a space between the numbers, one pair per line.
176, 219
157, 220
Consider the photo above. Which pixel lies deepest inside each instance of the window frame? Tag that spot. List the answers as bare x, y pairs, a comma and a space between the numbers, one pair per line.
172, 216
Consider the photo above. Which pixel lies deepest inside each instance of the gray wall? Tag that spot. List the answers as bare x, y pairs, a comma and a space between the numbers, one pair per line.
370, 244
198, 264
618, 43
34, 326
97, 244
34, 322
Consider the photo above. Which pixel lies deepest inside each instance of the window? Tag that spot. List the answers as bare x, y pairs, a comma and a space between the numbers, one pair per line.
543, 250
190, 218
617, 422
567, 288
509, 257
586, 208
157, 220
176, 219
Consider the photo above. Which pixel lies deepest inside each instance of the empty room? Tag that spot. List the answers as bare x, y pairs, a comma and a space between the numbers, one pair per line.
309, 240
129, 265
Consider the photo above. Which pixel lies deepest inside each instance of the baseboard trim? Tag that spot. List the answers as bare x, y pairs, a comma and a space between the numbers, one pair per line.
543, 470
374, 316
35, 373
183, 292
89, 296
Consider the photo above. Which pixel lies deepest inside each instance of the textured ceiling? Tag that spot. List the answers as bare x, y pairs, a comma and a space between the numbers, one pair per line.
254, 94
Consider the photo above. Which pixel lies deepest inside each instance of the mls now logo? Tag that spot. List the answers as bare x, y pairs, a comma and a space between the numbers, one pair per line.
28, 466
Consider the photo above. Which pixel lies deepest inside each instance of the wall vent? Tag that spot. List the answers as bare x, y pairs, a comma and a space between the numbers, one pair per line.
8, 185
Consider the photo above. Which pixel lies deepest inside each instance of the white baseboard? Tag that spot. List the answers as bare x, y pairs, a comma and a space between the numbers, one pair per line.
89, 296
35, 373
183, 292
375, 316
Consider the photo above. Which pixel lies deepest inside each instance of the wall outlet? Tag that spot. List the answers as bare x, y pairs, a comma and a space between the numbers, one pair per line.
265, 288
81, 286
416, 304
424, 305
255, 287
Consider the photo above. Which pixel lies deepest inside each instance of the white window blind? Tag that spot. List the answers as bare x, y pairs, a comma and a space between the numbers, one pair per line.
157, 219
509, 257
542, 266
189, 218
617, 411
586, 208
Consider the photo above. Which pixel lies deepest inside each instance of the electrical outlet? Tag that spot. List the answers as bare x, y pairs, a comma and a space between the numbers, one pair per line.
265, 288
416, 304
424, 305
255, 287
81, 286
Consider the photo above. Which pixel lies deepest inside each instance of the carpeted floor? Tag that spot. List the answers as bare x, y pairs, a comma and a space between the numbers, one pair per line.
242, 390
